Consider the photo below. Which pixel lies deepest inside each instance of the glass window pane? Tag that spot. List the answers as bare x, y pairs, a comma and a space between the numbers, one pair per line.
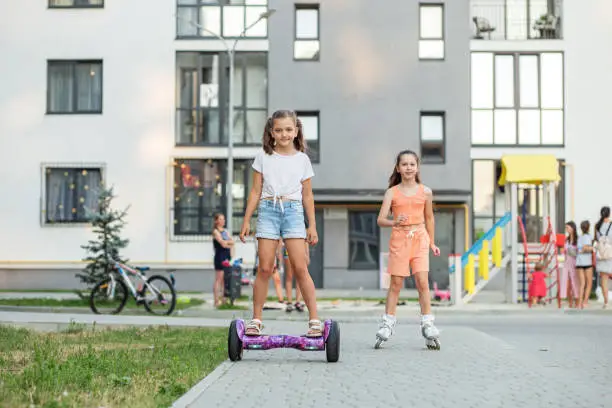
61, 87
238, 83
256, 81
484, 185
89, 87
239, 119
261, 28
310, 127
551, 65
432, 128
431, 49
306, 50
210, 18
256, 121
482, 127
431, 23
186, 15
482, 80
552, 127
504, 81
516, 19
363, 240
529, 127
505, 126
529, 88
233, 21
306, 23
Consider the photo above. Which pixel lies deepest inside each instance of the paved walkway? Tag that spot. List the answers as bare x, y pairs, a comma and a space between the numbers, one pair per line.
521, 362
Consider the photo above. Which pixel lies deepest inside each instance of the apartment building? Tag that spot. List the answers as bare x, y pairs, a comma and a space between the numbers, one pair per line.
135, 95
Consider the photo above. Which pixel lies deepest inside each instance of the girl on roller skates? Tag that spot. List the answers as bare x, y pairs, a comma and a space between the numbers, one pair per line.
411, 204
281, 190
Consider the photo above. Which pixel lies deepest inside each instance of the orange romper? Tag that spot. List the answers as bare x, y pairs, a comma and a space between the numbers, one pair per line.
409, 243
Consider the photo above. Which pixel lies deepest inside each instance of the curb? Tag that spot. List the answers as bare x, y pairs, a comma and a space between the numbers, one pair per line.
194, 393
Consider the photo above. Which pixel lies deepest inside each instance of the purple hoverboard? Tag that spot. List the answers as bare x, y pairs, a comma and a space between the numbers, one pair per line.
237, 341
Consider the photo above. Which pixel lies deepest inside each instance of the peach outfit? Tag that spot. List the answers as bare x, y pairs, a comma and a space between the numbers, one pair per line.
409, 243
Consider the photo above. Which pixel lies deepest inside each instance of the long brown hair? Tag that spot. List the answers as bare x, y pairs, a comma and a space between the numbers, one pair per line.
268, 141
395, 177
573, 236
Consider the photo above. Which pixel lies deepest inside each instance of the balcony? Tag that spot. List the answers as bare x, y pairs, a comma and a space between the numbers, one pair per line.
516, 19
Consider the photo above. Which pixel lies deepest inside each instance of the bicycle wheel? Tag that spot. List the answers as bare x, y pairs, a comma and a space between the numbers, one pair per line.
162, 300
106, 299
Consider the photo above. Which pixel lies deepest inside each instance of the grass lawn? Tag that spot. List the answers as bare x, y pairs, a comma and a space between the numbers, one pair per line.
84, 367
44, 302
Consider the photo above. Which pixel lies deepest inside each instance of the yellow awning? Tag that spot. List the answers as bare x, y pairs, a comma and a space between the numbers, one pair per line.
529, 169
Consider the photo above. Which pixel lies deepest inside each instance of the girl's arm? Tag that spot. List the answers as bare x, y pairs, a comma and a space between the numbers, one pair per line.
254, 197
430, 222
308, 203
225, 244
383, 216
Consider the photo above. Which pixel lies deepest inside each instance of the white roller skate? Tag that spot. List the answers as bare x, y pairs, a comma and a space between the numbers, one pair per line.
386, 329
430, 333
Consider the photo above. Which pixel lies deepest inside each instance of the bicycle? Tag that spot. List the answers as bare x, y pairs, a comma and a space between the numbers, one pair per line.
113, 292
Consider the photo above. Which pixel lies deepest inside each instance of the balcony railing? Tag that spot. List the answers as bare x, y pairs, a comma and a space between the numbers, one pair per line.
516, 19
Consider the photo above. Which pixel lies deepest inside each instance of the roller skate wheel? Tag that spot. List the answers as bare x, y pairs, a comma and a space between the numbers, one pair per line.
433, 344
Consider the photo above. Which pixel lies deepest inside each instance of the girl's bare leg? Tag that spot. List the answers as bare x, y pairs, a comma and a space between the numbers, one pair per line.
421, 280
288, 281
267, 256
395, 286
295, 249
277, 285
603, 282
588, 278
581, 284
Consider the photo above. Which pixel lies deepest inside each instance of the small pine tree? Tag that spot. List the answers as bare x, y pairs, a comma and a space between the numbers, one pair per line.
107, 225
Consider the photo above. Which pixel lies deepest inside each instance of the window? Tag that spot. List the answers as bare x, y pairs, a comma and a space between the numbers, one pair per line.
71, 194
74, 87
307, 34
76, 3
432, 137
431, 31
364, 237
229, 20
203, 94
310, 126
517, 99
199, 193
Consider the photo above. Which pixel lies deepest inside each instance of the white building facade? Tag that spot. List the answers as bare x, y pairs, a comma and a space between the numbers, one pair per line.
539, 87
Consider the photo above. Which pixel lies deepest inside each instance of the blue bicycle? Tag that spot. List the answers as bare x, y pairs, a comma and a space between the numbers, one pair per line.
156, 293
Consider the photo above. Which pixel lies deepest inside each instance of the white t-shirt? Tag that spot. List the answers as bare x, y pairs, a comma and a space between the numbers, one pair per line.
283, 175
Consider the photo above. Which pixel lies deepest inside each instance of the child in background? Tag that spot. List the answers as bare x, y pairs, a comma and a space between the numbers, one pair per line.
537, 284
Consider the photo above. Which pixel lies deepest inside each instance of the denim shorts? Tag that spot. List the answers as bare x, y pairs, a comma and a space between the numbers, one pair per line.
276, 220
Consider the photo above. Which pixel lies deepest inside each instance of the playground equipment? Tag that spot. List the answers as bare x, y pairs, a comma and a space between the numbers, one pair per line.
493, 255
330, 341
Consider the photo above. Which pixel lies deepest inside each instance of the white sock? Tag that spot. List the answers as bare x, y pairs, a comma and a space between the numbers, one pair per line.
427, 318
390, 317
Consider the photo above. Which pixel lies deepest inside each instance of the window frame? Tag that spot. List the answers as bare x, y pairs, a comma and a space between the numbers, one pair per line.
296, 39
442, 38
313, 114
100, 167
200, 4
359, 267
176, 234
517, 108
240, 61
430, 159
74, 108
50, 5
